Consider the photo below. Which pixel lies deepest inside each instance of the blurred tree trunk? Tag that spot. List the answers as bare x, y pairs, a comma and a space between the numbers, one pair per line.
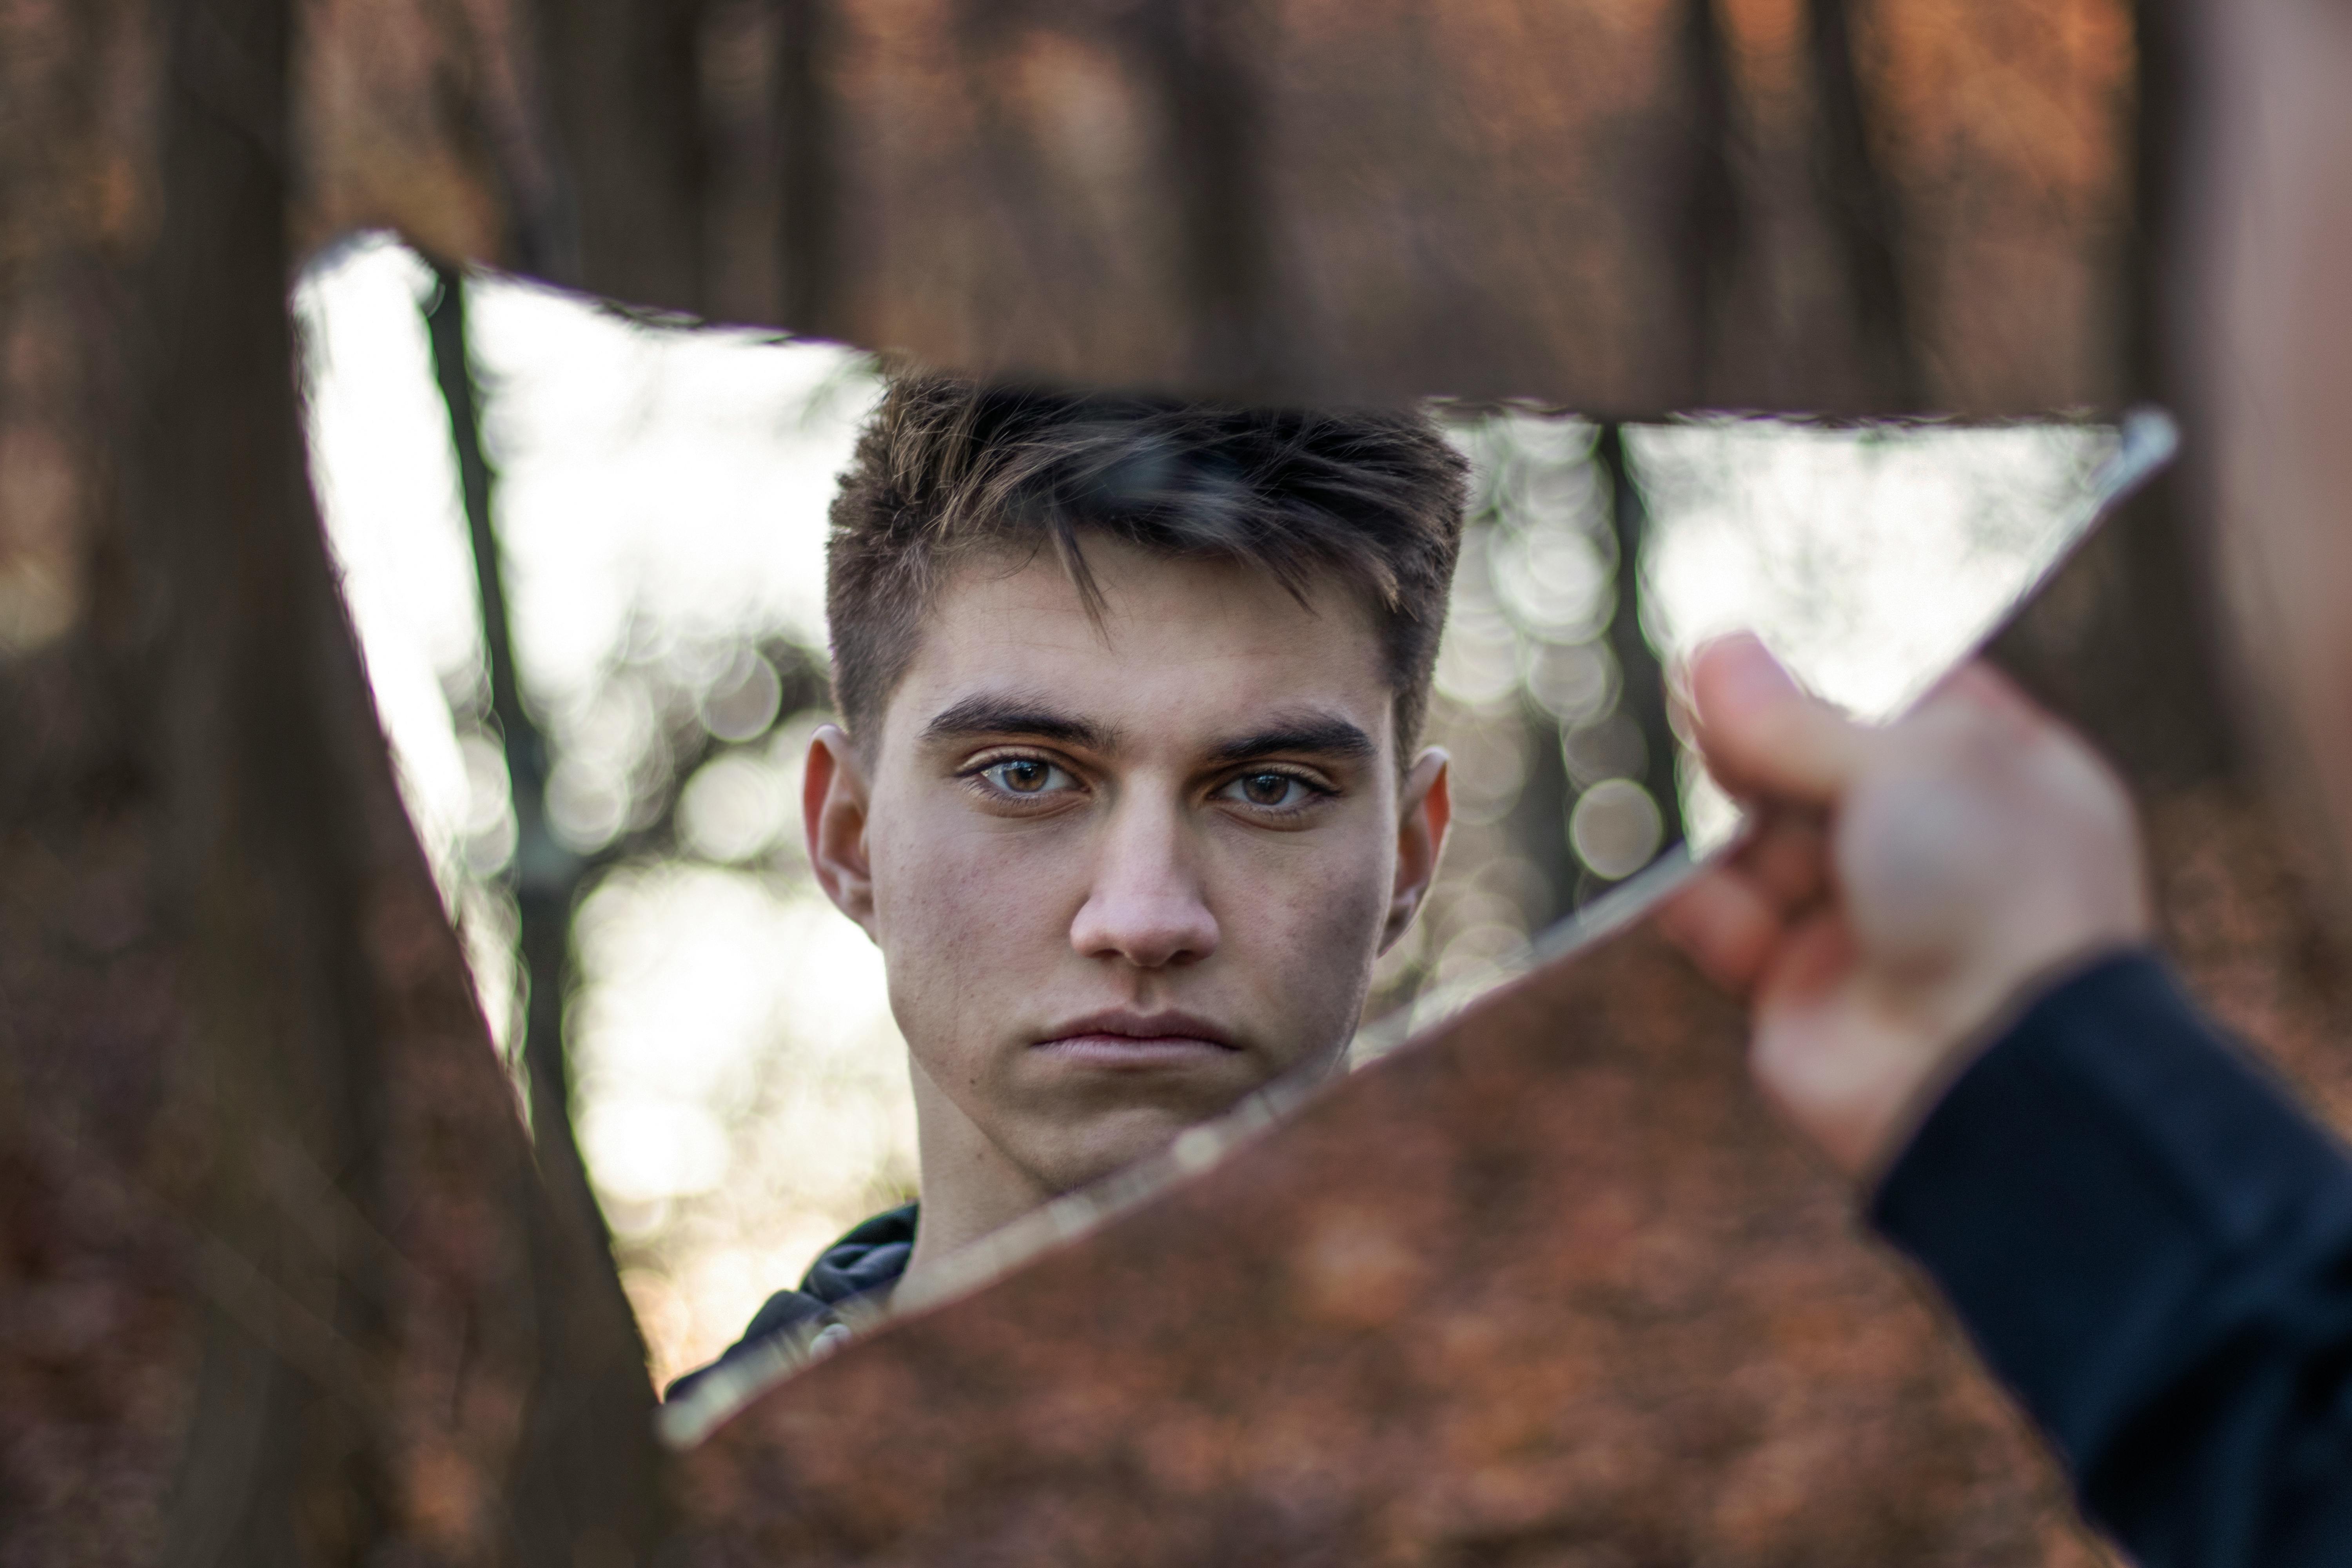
546, 876
2143, 660
283, 1285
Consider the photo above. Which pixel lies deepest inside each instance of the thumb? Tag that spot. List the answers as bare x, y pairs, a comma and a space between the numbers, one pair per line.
1762, 735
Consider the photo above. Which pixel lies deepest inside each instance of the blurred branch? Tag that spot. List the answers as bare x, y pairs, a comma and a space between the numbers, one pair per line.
547, 876
1641, 694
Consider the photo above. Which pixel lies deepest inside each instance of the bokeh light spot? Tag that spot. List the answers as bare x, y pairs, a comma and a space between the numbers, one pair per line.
1616, 828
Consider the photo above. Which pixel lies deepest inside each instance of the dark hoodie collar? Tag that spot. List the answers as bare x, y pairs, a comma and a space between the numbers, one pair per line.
865, 1264
870, 1257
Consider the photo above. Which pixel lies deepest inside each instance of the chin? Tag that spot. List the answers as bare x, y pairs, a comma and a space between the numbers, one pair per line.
1112, 1143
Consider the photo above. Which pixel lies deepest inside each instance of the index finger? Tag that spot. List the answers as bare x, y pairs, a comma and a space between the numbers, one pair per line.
1763, 736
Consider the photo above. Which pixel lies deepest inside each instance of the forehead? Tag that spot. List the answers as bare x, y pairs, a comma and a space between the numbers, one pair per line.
1182, 649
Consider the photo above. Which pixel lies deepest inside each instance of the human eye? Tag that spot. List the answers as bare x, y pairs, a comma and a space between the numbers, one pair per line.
1275, 791
1023, 778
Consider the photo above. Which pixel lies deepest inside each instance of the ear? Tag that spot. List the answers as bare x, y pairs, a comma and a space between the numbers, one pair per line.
1424, 811
832, 816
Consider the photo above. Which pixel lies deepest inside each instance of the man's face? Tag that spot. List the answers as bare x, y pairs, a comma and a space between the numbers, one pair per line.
1123, 873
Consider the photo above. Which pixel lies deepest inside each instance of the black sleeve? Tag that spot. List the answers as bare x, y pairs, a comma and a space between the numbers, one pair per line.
2152, 1247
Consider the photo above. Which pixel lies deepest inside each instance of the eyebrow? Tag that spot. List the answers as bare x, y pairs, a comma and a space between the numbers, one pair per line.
995, 713
1020, 713
1315, 734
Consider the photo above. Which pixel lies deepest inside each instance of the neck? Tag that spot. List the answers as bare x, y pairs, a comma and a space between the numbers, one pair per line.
969, 1188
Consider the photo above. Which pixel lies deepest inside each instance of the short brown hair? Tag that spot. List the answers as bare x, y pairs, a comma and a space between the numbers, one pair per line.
947, 464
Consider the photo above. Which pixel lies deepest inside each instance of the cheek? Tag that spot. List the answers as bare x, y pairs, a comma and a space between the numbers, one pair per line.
1304, 933
961, 917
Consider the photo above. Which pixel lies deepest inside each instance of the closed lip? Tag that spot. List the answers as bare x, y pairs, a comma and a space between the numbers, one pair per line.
1123, 1028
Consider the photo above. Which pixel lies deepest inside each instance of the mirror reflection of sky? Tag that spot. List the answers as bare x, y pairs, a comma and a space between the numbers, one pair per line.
741, 1093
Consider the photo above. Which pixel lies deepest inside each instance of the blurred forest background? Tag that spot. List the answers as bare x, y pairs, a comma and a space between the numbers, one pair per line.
605, 778
285, 1280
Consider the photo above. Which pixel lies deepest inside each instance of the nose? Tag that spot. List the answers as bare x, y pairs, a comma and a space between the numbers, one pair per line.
1146, 904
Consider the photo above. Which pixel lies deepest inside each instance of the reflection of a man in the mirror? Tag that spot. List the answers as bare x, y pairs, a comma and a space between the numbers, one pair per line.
1127, 786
